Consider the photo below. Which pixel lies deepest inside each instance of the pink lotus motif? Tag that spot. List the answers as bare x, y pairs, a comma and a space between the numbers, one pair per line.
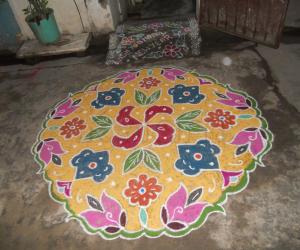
65, 108
49, 150
64, 187
230, 177
165, 132
106, 214
252, 139
181, 210
234, 100
126, 77
172, 74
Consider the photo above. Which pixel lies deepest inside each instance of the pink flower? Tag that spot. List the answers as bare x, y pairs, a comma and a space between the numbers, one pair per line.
65, 109
234, 100
180, 211
49, 150
252, 139
172, 74
164, 131
171, 50
126, 77
230, 177
105, 213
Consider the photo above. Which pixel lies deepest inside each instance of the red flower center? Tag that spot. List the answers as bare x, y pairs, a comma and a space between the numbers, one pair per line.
197, 156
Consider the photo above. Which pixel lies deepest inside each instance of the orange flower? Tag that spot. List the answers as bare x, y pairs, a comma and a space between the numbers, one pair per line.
149, 82
142, 190
220, 118
72, 128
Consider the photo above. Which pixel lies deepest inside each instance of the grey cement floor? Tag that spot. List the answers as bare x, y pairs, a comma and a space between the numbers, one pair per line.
264, 216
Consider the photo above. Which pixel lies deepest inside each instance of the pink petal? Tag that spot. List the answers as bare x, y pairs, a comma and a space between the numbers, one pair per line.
229, 102
244, 137
257, 146
55, 147
124, 117
45, 155
65, 105
66, 185
235, 96
151, 112
176, 201
130, 142
189, 214
227, 175
97, 219
127, 76
165, 133
111, 206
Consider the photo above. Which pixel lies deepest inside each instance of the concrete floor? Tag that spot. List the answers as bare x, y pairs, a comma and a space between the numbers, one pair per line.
264, 216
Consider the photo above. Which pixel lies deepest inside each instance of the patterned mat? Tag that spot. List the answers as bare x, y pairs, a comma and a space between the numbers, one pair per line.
142, 40
150, 151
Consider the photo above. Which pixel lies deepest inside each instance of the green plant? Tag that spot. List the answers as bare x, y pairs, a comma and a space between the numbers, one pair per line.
37, 10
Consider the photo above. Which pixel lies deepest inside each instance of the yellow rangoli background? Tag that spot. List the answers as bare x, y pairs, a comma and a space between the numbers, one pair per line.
169, 177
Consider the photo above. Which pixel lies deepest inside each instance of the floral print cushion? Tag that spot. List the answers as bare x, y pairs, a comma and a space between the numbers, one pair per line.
144, 40
150, 152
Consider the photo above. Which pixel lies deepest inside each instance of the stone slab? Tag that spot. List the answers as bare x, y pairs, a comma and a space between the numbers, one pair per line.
67, 44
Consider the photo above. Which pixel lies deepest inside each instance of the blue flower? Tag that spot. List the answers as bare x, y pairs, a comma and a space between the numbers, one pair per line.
111, 97
183, 94
194, 158
92, 164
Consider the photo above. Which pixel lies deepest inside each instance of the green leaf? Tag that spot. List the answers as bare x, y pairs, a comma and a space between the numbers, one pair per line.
191, 126
151, 160
97, 133
102, 121
143, 216
140, 97
189, 115
133, 160
245, 116
154, 97
53, 128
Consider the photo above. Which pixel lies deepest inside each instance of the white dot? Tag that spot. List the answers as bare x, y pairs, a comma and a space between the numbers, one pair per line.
84, 112
169, 179
113, 183
100, 144
187, 151
137, 113
183, 136
118, 156
123, 131
163, 118
165, 99
128, 101
210, 105
182, 108
74, 146
220, 137
167, 154
227, 61
149, 137
110, 110
165, 137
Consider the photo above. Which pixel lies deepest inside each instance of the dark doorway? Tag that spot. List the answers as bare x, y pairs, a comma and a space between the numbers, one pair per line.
150, 9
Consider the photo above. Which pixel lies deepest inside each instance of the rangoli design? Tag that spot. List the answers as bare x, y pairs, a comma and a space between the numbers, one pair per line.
150, 152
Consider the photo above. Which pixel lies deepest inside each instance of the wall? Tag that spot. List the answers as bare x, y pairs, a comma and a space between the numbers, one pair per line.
293, 14
75, 16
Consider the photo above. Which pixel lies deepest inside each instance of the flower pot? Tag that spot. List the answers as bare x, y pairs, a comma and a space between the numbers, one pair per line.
46, 30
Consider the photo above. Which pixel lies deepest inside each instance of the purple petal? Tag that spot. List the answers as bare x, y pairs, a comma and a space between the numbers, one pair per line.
45, 154
176, 201
111, 206
176, 72
97, 219
231, 103
241, 99
244, 137
54, 147
227, 175
127, 76
65, 105
190, 213
257, 146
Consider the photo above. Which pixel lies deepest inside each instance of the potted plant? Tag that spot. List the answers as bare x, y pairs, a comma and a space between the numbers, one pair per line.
42, 22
